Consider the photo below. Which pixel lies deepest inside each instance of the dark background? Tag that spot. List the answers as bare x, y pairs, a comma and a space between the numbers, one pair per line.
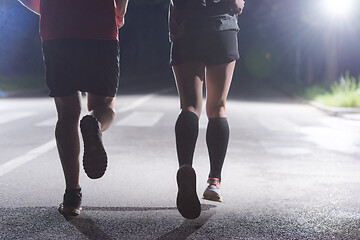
279, 40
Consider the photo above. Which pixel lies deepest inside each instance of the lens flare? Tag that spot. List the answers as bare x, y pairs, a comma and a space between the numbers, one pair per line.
338, 9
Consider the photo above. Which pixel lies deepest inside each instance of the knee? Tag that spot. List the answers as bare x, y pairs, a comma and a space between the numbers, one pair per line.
216, 111
96, 102
108, 110
103, 113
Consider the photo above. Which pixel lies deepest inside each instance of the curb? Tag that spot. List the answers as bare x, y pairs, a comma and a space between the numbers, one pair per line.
335, 111
351, 113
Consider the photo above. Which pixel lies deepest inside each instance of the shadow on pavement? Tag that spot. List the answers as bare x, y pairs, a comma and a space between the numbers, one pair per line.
304, 219
88, 227
188, 227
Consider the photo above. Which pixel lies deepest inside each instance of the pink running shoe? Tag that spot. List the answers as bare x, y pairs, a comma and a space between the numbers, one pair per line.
212, 192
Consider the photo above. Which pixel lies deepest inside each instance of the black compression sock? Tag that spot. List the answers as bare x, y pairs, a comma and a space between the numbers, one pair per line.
217, 138
186, 133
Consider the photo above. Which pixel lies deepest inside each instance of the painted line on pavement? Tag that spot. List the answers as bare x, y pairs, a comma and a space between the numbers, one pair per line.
141, 119
12, 116
136, 103
276, 124
21, 160
133, 105
47, 123
141, 100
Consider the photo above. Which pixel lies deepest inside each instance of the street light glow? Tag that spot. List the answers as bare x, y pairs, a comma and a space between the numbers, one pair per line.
338, 9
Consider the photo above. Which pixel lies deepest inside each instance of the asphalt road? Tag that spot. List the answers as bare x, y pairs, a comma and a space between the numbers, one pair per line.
292, 172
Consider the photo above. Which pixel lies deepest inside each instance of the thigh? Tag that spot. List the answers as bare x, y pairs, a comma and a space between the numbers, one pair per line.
218, 80
210, 48
189, 80
61, 67
86, 65
220, 47
100, 67
185, 49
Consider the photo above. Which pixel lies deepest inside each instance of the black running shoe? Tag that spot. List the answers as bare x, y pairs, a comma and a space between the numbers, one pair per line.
71, 205
187, 201
95, 158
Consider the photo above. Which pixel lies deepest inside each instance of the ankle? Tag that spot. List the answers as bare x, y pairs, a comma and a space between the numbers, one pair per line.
73, 187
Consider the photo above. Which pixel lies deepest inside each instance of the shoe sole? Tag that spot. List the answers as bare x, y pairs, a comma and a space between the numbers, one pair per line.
94, 158
212, 197
69, 211
187, 201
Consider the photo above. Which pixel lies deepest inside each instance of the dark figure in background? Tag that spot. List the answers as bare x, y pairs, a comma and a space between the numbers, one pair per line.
204, 49
81, 53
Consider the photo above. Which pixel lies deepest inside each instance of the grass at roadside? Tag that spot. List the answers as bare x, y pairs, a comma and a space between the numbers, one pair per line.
18, 82
340, 99
344, 93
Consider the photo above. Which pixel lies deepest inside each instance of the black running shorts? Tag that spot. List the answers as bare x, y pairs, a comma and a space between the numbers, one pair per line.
211, 48
86, 65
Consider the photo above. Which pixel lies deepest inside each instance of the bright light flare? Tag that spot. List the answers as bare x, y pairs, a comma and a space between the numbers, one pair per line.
338, 8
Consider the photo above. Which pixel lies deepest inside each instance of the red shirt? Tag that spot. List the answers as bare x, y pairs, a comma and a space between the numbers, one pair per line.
93, 19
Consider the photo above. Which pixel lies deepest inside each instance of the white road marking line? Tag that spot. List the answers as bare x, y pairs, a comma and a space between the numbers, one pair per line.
276, 124
141, 100
332, 139
12, 116
17, 162
47, 123
340, 123
144, 119
141, 119
287, 151
136, 103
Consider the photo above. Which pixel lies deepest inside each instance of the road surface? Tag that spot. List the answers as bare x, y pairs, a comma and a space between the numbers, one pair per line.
291, 172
